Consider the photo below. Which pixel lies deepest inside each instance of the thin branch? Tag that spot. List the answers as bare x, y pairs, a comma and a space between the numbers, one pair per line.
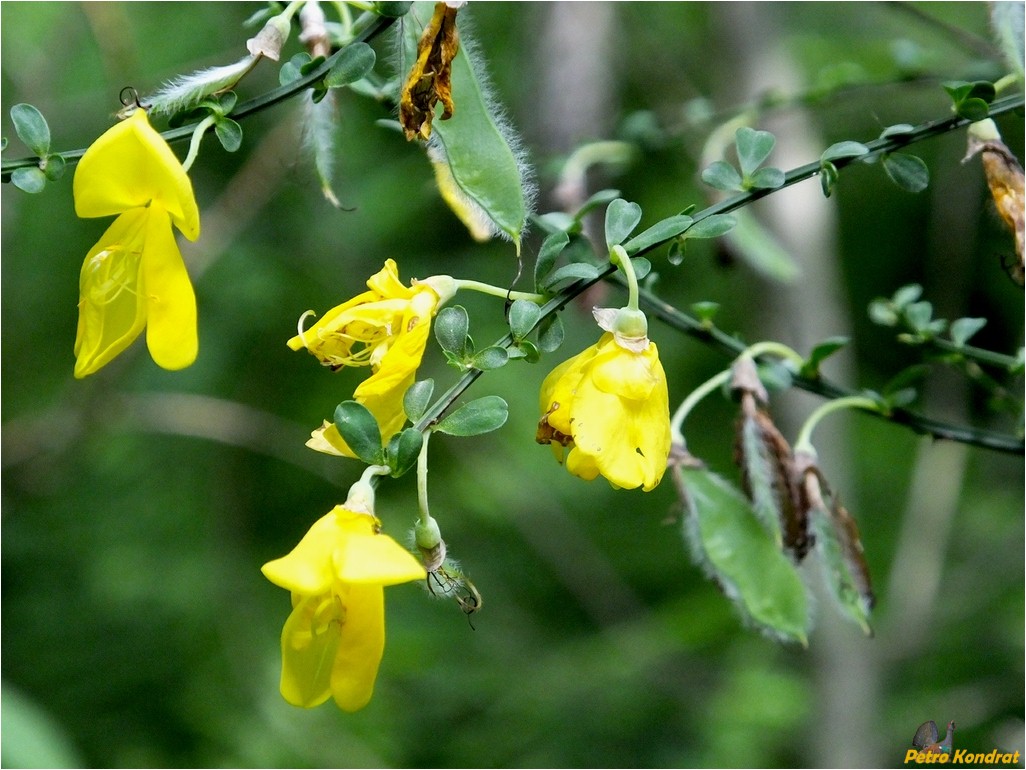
367, 27
731, 345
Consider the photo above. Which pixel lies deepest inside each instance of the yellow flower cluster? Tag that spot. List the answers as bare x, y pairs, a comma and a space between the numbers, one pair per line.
609, 405
134, 276
386, 328
332, 643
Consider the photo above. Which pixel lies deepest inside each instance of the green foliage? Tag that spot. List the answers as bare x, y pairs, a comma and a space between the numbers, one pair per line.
403, 450
34, 132
417, 398
360, 430
820, 352
753, 148
482, 415
908, 172
477, 146
971, 100
741, 555
523, 316
354, 62
452, 328
621, 219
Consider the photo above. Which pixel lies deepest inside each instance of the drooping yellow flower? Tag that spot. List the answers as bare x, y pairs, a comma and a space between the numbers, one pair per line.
386, 328
609, 405
134, 276
333, 642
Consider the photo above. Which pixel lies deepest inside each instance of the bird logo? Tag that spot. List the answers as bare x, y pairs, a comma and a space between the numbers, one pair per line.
926, 738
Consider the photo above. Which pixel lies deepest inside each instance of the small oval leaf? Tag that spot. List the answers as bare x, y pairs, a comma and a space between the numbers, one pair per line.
482, 415
753, 147
360, 431
551, 248
417, 398
722, 176
523, 315
229, 133
711, 227
907, 171
621, 219
550, 334
407, 449
493, 357
658, 233
451, 328
30, 180
31, 128
964, 328
843, 150
353, 63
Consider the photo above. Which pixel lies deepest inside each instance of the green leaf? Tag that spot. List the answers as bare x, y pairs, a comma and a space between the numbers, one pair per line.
827, 177
906, 295
738, 553
621, 219
839, 548
406, 450
30, 180
882, 313
722, 176
475, 143
820, 353
973, 109
753, 147
918, 315
705, 312
658, 233
53, 167
844, 150
417, 398
574, 271
711, 226
360, 430
392, 10
492, 357
482, 415
451, 329
964, 328
898, 129
908, 172
523, 315
229, 133
292, 69
550, 333
32, 129
768, 178
353, 63
530, 351
642, 267
551, 248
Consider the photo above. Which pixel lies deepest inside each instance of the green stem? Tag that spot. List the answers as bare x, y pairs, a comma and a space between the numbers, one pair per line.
804, 440
1000, 360
618, 257
496, 291
777, 349
372, 471
423, 514
366, 27
197, 137
689, 403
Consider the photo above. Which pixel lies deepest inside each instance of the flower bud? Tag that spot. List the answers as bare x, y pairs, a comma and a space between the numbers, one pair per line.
269, 40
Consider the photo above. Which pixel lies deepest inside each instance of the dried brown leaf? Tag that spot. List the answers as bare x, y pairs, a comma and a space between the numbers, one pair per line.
430, 80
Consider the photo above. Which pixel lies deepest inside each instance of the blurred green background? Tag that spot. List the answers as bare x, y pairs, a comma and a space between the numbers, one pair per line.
138, 505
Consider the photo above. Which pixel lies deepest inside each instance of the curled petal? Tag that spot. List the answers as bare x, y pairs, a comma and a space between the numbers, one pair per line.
112, 303
129, 166
310, 643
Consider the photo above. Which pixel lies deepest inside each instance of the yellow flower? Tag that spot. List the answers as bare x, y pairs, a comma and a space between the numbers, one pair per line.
134, 276
609, 405
332, 643
386, 328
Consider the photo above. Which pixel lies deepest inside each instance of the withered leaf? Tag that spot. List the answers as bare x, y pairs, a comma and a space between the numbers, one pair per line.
430, 80
768, 478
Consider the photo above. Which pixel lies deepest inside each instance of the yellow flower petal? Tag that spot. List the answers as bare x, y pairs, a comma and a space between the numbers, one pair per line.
310, 643
170, 301
361, 647
129, 166
613, 405
377, 559
112, 306
309, 567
